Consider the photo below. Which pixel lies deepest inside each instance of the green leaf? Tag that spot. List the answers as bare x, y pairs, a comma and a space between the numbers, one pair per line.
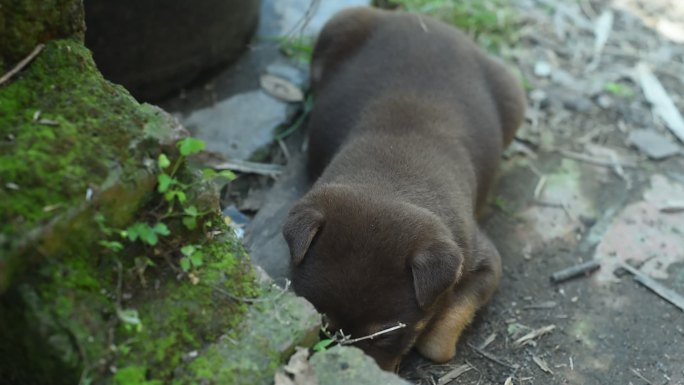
170, 195
190, 223
100, 219
123, 349
161, 229
163, 161
189, 146
208, 173
185, 264
111, 245
196, 258
165, 182
146, 234
133, 231
149, 237
228, 175
188, 250
322, 345
192, 211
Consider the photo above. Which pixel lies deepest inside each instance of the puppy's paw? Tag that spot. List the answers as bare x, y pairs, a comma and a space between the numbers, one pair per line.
438, 341
439, 351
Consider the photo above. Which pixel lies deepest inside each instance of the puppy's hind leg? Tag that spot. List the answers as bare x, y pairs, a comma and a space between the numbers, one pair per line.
438, 342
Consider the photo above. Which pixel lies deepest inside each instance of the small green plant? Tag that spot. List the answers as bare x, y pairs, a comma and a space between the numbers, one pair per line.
288, 130
146, 233
175, 205
323, 344
192, 257
491, 22
298, 49
619, 90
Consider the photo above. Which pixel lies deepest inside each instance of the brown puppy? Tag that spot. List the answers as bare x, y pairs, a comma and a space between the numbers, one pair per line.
409, 121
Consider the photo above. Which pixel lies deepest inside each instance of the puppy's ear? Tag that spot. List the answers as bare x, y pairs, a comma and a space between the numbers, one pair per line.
434, 270
301, 226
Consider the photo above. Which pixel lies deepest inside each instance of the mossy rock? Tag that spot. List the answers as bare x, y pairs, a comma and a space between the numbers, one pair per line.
26, 23
349, 365
250, 355
77, 148
71, 143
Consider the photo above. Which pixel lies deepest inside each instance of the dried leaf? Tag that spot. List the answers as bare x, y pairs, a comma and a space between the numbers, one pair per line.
299, 368
654, 145
281, 88
602, 29
453, 374
661, 102
542, 364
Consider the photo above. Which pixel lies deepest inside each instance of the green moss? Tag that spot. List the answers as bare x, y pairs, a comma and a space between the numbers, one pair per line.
251, 353
181, 317
65, 133
133, 375
78, 136
67, 319
26, 23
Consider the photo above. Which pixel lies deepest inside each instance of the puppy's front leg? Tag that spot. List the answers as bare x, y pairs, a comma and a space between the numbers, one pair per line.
438, 341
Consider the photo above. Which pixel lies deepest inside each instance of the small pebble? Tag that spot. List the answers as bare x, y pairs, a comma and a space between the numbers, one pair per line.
542, 69
605, 101
538, 95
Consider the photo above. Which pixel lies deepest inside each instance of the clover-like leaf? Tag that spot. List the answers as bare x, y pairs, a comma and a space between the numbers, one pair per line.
189, 146
163, 161
165, 182
185, 264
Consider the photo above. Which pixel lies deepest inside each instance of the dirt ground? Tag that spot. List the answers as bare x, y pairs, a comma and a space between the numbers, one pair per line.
578, 185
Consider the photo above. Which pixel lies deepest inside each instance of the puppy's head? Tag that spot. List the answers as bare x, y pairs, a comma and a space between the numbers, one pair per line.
368, 263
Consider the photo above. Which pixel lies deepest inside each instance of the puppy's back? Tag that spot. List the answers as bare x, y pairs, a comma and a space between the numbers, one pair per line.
365, 55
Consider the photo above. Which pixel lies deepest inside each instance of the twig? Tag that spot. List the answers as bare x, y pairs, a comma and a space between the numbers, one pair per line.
250, 167
492, 357
595, 161
540, 187
636, 373
283, 147
574, 271
253, 300
347, 340
533, 334
479, 378
488, 341
20, 66
453, 374
541, 305
667, 294
673, 206
304, 21
554, 205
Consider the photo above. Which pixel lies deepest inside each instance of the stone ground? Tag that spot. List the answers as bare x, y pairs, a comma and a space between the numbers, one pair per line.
595, 173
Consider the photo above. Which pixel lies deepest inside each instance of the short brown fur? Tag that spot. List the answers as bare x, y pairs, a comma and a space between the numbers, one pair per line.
408, 125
